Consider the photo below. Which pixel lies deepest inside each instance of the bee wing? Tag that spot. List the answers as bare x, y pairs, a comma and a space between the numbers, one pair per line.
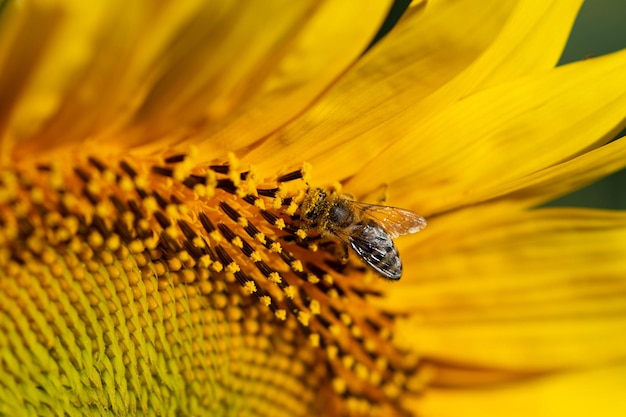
394, 220
375, 247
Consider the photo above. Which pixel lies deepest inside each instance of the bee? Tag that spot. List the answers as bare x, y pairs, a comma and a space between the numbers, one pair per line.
367, 228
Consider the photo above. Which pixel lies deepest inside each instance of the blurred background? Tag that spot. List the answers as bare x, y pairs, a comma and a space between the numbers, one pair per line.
599, 29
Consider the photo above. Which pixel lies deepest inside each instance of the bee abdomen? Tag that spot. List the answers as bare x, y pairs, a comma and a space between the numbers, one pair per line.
375, 247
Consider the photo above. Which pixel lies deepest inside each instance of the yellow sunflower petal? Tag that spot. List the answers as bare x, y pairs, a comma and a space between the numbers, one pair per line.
431, 47
577, 394
328, 44
530, 292
565, 177
474, 147
179, 69
61, 79
532, 42
423, 54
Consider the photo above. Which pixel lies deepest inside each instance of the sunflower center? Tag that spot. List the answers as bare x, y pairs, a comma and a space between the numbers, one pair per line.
164, 254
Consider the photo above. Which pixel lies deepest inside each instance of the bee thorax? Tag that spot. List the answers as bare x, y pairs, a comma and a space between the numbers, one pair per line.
340, 215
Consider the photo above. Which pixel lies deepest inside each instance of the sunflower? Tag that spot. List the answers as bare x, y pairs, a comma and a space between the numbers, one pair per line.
155, 258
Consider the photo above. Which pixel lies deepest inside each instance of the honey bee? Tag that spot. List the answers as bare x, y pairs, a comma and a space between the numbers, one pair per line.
367, 228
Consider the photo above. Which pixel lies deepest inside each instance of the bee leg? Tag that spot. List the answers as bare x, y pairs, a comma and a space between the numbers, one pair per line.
336, 187
384, 195
342, 252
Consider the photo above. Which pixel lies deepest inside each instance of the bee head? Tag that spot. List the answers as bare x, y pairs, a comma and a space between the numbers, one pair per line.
313, 202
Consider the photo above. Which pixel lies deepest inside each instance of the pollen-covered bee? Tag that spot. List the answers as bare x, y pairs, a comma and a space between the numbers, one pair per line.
367, 228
